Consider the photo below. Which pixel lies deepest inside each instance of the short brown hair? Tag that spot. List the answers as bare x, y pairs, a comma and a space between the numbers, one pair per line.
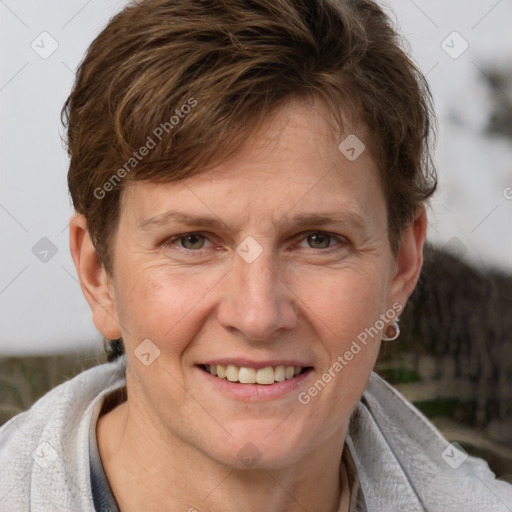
232, 63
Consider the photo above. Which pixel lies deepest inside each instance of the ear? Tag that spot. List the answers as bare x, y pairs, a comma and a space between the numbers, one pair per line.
409, 259
95, 282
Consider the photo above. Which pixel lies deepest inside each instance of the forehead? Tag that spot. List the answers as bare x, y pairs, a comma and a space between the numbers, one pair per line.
294, 162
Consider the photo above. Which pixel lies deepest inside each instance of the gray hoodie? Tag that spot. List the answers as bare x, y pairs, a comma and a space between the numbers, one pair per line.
402, 461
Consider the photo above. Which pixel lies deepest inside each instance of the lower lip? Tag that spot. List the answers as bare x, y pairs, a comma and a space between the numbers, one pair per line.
255, 392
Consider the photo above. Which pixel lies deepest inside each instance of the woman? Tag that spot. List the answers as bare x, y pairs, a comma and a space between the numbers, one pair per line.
250, 181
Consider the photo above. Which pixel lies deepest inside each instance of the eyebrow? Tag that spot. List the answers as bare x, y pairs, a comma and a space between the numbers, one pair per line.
352, 219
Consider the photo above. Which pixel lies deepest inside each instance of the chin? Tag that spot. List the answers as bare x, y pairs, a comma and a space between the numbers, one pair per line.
250, 450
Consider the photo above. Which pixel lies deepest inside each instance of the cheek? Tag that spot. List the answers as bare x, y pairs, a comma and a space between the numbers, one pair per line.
344, 301
162, 304
344, 311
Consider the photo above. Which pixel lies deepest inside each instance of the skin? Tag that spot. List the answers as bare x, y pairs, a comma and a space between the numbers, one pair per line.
174, 444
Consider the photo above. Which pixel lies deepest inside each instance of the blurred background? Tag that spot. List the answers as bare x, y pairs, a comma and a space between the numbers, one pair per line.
454, 359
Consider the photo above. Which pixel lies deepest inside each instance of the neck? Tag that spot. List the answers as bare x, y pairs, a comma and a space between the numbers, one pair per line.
147, 473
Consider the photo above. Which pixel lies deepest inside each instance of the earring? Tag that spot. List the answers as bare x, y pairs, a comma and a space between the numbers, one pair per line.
395, 331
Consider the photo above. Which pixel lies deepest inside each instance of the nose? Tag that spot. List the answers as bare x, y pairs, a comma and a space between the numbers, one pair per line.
257, 302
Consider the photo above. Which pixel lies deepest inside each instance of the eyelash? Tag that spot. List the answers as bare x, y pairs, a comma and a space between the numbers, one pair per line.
171, 242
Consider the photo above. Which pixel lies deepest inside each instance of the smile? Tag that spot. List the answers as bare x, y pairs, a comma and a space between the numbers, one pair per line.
246, 375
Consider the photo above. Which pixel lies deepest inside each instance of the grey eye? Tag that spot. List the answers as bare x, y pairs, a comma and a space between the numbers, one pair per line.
320, 240
192, 241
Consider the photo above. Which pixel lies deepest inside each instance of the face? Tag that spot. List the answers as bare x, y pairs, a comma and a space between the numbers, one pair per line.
279, 257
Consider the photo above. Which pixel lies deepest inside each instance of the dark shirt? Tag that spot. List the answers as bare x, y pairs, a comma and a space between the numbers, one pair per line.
102, 495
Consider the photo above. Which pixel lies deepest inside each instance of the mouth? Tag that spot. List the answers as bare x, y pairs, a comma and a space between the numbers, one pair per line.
247, 375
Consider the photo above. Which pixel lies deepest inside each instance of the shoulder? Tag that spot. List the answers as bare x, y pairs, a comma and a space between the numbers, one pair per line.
43, 451
389, 436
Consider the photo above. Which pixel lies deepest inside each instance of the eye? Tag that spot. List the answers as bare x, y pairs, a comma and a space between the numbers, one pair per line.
190, 241
321, 240
196, 242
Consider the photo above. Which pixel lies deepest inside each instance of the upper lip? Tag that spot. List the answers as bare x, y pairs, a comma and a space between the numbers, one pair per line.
255, 364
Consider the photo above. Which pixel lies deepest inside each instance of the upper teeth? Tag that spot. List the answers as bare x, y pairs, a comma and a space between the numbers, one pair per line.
245, 375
